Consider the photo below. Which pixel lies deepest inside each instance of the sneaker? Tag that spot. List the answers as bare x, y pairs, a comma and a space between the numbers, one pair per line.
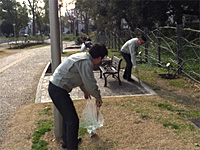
79, 140
130, 80
64, 145
124, 77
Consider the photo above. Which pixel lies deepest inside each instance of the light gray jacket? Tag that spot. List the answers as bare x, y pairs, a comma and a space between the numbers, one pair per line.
74, 71
130, 47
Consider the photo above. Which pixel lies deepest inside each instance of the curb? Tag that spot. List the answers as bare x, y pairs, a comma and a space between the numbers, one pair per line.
40, 90
39, 87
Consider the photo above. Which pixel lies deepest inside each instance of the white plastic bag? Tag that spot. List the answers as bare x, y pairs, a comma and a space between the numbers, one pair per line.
91, 117
83, 48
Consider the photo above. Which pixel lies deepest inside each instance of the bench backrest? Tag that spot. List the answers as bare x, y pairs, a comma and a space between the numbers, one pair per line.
116, 62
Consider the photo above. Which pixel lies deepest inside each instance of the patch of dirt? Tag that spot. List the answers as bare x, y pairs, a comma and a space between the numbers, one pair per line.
22, 126
188, 93
5, 51
168, 76
123, 128
25, 45
181, 90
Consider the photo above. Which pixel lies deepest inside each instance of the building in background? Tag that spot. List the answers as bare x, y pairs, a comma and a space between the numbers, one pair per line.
72, 21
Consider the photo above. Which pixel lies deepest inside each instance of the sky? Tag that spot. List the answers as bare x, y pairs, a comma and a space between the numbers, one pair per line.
63, 9
21, 1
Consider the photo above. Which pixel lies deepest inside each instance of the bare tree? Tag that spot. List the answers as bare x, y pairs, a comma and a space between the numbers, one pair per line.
34, 7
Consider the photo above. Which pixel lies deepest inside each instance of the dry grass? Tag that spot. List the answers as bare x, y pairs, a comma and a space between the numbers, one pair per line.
5, 51
129, 122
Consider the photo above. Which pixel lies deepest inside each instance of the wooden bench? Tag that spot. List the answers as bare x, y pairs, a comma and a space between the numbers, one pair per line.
112, 68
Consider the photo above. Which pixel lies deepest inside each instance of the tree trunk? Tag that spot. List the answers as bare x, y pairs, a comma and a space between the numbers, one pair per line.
33, 22
86, 24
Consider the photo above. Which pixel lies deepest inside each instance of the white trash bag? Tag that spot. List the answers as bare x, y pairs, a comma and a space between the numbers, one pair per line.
91, 117
83, 48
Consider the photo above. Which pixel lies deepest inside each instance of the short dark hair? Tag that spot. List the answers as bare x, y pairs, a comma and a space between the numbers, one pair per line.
98, 50
143, 38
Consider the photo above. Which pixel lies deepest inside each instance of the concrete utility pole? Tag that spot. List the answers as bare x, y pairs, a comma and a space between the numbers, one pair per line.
55, 57
60, 20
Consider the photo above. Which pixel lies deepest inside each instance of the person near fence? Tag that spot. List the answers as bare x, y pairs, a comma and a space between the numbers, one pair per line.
129, 52
83, 38
88, 43
75, 71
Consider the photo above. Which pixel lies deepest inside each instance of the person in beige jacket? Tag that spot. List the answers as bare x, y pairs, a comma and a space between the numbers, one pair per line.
75, 71
128, 51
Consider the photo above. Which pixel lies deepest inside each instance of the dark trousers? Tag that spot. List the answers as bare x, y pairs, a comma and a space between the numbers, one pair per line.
65, 106
127, 58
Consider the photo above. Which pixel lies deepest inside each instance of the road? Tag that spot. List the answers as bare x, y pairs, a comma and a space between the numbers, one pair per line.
19, 76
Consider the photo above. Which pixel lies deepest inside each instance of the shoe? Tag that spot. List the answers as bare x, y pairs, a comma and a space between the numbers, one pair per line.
64, 144
79, 140
124, 77
130, 80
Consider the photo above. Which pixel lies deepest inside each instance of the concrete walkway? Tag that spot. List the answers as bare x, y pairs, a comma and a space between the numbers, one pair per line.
112, 90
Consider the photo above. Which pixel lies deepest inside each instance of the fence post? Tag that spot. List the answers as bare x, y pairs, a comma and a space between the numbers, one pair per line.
115, 40
109, 39
136, 32
124, 36
129, 34
179, 48
112, 39
159, 42
146, 44
119, 40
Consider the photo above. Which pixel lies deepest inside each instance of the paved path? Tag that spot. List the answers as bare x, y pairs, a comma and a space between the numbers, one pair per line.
112, 90
19, 76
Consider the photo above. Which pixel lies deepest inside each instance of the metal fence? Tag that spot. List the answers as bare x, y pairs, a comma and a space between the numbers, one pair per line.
174, 48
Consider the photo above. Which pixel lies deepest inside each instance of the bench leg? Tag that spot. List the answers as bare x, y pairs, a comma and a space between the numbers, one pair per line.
105, 80
100, 73
119, 80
